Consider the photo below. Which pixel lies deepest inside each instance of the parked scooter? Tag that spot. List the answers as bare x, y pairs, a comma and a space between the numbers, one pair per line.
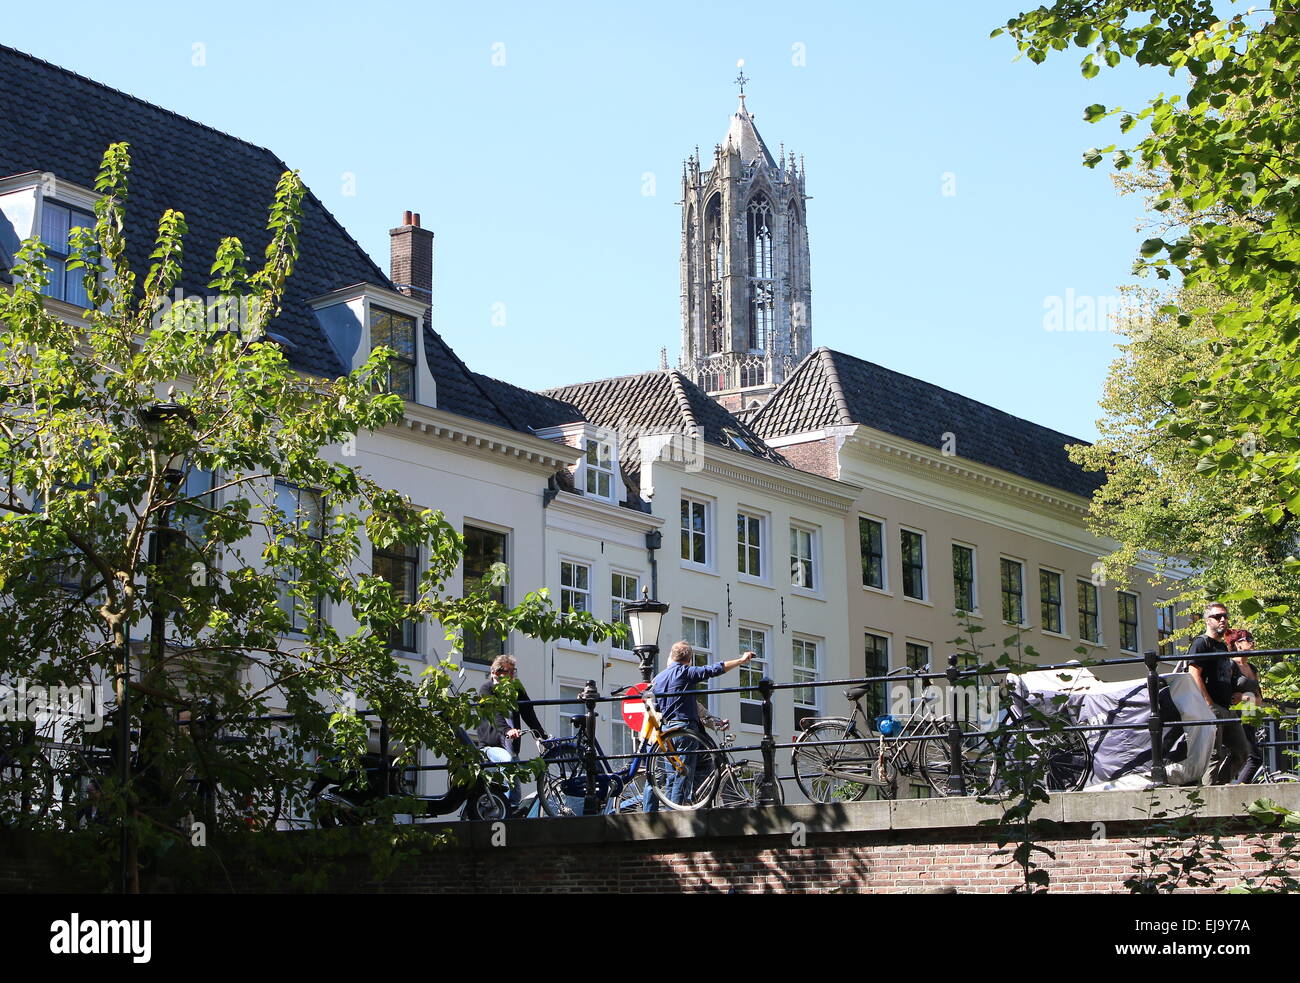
350, 800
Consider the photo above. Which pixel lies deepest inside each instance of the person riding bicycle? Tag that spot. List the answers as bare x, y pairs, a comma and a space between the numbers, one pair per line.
497, 737
675, 699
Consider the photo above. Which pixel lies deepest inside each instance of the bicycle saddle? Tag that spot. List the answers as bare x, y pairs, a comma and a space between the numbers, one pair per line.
857, 692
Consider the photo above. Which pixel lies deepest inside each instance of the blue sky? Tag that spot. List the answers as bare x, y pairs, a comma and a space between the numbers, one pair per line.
533, 172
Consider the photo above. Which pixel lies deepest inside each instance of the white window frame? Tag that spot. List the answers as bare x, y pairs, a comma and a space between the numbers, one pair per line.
762, 665
763, 546
1162, 607
709, 533
889, 662
814, 558
590, 470
1022, 623
800, 674
1100, 640
321, 601
925, 566
884, 553
57, 254
622, 739
974, 577
1060, 580
711, 652
374, 307
1137, 622
636, 595
572, 589
562, 728
485, 526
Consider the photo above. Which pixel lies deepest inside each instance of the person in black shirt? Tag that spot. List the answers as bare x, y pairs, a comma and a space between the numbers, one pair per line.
1215, 673
505, 734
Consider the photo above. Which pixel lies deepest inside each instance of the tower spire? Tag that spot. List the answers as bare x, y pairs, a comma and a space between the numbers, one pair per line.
741, 80
744, 267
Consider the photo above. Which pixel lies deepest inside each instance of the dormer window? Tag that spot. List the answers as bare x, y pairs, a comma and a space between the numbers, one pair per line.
57, 223
735, 440
595, 474
598, 467
395, 331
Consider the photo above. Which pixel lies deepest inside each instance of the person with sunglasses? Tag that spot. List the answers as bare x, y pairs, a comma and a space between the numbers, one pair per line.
1215, 673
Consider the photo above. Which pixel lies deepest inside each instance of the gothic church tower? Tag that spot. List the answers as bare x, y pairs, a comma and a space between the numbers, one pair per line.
746, 296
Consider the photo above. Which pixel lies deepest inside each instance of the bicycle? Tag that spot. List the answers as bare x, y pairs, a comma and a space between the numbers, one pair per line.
1265, 777
206, 774
1058, 760
739, 781
562, 791
828, 770
27, 782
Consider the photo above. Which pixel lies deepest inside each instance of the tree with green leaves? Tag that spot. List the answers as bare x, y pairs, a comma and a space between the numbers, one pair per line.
1227, 150
163, 461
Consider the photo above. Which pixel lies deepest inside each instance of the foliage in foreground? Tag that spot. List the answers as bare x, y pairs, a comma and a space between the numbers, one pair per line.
266, 581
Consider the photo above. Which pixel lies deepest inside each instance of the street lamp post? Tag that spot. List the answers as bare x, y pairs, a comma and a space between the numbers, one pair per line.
645, 618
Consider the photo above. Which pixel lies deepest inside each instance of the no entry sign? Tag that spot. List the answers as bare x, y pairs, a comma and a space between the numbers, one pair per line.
634, 707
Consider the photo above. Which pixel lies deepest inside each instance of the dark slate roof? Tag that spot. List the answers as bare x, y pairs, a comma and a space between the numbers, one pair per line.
664, 402
54, 120
534, 410
831, 388
540, 412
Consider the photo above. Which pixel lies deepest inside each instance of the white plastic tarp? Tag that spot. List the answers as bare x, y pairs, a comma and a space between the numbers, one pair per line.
1122, 758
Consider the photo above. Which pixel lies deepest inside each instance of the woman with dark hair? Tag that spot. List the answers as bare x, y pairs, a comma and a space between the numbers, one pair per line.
1246, 683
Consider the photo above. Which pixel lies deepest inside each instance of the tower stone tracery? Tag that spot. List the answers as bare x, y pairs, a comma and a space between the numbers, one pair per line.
746, 296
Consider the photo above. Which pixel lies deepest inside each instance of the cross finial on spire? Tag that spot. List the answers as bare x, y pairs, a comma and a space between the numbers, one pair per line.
741, 80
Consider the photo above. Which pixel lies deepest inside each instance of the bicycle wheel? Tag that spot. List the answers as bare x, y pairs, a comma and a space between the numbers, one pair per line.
1059, 761
682, 780
1263, 777
237, 797
835, 772
488, 804
631, 798
739, 786
561, 789
26, 786
977, 763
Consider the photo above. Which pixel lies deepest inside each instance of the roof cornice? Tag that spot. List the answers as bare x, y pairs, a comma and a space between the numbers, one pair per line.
922, 458
747, 471
480, 439
374, 292
594, 511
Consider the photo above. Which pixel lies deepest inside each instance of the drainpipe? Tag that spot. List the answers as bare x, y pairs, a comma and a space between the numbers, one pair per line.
653, 540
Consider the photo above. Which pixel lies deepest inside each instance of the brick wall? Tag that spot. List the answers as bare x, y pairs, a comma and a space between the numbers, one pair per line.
917, 846
817, 456
828, 863
411, 260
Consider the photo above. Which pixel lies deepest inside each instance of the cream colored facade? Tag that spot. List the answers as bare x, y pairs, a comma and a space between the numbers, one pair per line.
594, 550
998, 517
715, 606
715, 601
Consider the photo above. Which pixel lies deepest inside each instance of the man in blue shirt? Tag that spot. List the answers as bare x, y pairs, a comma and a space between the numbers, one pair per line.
675, 697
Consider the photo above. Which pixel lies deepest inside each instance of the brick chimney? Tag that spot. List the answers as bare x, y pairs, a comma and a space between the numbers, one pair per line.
411, 261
